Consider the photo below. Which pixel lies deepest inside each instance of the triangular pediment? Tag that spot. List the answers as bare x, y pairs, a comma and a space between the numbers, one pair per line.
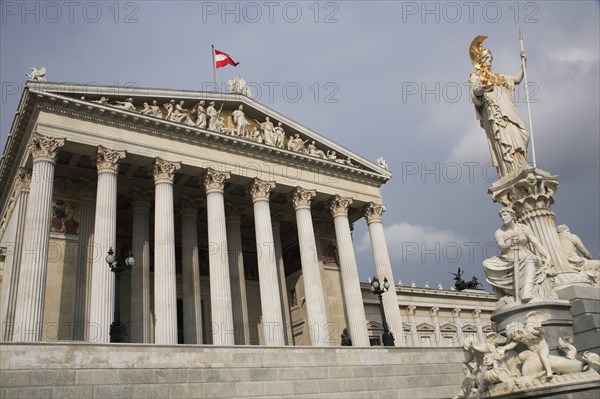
448, 327
425, 327
213, 117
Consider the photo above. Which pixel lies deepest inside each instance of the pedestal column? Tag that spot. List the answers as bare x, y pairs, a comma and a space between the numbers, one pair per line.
12, 269
357, 321
458, 324
272, 318
433, 312
105, 226
239, 300
313, 286
165, 291
192, 315
85, 256
29, 311
141, 324
220, 288
283, 293
414, 334
383, 268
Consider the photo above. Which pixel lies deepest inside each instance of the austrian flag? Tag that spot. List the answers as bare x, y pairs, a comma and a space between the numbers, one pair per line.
222, 59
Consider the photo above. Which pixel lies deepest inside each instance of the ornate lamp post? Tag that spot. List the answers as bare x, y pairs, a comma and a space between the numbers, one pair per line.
117, 328
388, 337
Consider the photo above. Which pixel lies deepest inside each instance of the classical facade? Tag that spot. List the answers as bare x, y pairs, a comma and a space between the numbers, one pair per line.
239, 220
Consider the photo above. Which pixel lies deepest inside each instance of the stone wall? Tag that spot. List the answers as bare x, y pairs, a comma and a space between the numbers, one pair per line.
78, 370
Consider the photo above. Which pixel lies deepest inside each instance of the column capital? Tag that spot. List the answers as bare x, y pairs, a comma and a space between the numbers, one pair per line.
164, 171
189, 206
140, 198
338, 205
456, 312
44, 148
433, 311
476, 313
410, 310
23, 180
373, 212
232, 213
261, 189
107, 160
301, 197
214, 180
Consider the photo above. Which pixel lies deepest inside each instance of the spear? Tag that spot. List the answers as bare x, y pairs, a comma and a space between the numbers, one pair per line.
527, 97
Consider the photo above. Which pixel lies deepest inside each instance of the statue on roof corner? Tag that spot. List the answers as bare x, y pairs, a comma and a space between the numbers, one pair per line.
492, 95
37, 74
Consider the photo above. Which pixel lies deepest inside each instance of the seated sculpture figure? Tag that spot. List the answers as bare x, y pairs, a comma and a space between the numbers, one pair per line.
570, 244
518, 244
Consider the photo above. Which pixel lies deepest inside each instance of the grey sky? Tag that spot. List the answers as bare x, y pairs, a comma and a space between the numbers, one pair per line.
381, 78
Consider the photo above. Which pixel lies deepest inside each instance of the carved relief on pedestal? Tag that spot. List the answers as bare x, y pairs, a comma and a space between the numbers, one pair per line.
164, 171
214, 180
44, 148
374, 212
108, 160
261, 189
301, 198
339, 205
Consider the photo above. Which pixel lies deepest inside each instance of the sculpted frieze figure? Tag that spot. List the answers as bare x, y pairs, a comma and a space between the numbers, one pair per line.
279, 135
102, 101
152, 110
180, 114
239, 85
570, 244
492, 95
200, 112
315, 152
296, 144
213, 115
127, 105
381, 162
514, 241
268, 131
240, 122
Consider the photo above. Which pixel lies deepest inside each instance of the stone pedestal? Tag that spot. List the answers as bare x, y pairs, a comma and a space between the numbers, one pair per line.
530, 192
585, 310
559, 325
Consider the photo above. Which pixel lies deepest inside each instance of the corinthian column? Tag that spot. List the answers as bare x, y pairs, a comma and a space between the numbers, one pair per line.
236, 274
383, 268
477, 319
313, 286
85, 256
29, 313
105, 228
458, 324
11, 276
414, 335
140, 274
192, 316
357, 321
218, 263
165, 293
267, 267
283, 293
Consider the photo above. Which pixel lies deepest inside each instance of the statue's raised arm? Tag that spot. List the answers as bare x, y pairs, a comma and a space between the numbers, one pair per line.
492, 95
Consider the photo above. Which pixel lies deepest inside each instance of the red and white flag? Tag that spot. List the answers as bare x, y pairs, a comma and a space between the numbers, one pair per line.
222, 59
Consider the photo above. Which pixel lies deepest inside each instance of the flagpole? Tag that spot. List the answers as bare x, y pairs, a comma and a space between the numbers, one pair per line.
215, 68
527, 97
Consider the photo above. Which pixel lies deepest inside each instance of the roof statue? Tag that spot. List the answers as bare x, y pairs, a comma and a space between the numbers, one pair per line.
38, 74
492, 95
239, 85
